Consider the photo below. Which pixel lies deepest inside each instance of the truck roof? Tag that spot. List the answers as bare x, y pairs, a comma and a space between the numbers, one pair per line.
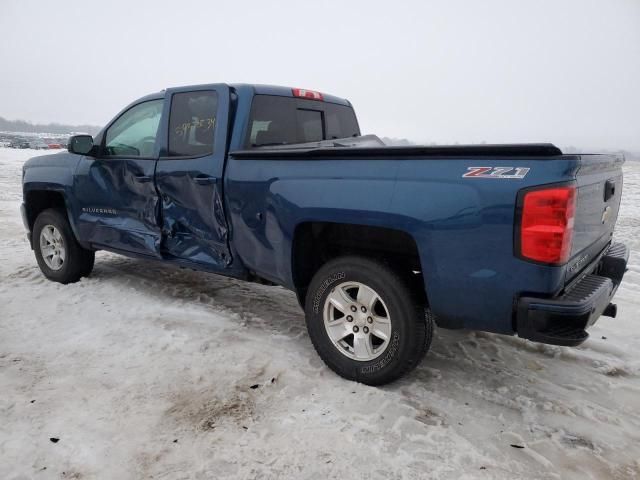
256, 89
281, 91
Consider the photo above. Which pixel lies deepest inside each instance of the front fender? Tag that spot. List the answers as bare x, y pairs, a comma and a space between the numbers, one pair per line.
50, 173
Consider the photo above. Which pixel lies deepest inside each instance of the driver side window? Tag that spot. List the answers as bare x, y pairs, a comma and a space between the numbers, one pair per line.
134, 133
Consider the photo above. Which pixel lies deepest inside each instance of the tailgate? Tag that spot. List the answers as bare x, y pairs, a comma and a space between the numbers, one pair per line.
599, 189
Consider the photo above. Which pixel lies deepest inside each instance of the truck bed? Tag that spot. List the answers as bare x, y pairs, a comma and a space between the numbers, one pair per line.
418, 151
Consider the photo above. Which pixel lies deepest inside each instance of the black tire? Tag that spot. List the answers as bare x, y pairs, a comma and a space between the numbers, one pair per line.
78, 262
411, 322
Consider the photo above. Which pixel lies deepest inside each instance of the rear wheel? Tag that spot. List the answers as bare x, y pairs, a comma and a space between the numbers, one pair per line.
60, 257
365, 322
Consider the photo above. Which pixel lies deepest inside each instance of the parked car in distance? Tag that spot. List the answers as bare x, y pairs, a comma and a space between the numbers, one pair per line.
19, 144
380, 244
38, 145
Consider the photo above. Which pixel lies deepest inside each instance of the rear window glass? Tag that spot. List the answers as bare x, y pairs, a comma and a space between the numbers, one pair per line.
310, 124
192, 123
339, 125
285, 120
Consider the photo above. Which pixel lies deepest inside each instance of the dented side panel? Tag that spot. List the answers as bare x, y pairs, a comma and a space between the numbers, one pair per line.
117, 205
194, 225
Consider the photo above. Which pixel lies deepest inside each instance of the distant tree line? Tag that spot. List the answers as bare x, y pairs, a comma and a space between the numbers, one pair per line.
28, 127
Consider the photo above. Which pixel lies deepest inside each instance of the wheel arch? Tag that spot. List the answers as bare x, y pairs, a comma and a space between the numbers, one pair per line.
316, 242
38, 200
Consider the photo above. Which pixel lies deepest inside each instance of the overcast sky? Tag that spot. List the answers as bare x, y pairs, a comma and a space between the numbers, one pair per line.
564, 71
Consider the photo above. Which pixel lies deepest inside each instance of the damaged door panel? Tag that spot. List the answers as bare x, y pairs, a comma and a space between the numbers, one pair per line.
189, 176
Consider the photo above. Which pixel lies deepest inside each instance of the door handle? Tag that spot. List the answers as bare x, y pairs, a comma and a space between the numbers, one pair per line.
204, 179
142, 178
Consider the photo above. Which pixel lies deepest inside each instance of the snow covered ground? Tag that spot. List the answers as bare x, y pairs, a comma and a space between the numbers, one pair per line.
142, 371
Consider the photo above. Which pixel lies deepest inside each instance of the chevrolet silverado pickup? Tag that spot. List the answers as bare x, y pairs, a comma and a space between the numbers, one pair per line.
379, 243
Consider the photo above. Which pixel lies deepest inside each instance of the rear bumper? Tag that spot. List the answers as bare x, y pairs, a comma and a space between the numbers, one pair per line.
563, 320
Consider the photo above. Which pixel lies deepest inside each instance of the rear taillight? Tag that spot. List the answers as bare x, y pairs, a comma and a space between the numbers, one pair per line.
303, 93
546, 224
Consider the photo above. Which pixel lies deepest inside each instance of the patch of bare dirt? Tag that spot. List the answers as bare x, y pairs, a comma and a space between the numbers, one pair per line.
205, 411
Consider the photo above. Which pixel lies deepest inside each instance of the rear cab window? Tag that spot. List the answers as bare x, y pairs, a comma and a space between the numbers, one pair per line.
277, 120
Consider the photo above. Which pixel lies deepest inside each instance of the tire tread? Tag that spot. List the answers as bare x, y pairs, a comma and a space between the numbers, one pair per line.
421, 328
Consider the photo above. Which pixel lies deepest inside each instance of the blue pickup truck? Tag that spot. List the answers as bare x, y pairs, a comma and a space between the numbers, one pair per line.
277, 185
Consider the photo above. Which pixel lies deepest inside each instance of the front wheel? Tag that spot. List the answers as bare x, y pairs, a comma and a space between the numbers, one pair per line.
59, 255
365, 322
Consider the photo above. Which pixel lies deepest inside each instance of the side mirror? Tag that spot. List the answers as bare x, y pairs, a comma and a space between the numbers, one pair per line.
80, 144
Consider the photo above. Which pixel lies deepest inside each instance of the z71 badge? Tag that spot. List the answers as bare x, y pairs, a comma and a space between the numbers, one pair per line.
496, 172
